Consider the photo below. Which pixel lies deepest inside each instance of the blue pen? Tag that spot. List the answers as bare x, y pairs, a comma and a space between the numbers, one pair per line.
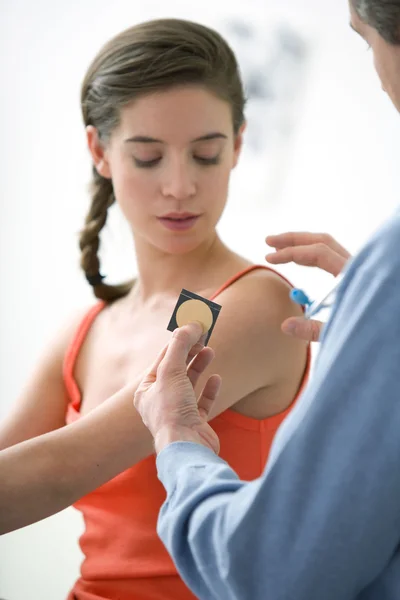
314, 307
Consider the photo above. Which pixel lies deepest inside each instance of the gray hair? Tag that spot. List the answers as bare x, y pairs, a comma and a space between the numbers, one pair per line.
382, 15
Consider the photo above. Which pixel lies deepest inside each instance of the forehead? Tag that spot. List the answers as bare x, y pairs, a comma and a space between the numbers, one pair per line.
190, 111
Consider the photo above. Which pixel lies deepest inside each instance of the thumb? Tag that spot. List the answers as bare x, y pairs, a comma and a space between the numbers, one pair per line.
303, 329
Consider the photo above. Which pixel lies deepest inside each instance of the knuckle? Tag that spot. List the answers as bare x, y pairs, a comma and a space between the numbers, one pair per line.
321, 247
322, 253
321, 237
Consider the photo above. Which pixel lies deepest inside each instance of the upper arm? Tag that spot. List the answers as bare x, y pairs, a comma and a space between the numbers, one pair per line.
42, 403
251, 351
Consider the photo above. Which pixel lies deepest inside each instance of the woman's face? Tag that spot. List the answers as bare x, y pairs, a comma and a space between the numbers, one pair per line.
170, 161
386, 57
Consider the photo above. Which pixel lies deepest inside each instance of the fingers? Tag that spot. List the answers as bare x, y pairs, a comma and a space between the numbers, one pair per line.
179, 349
314, 255
303, 329
194, 351
210, 393
305, 238
200, 364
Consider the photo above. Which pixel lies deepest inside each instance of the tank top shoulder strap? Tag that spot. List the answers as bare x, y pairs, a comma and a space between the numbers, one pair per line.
74, 349
241, 274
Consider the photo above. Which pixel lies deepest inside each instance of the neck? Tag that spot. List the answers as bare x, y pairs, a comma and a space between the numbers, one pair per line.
160, 273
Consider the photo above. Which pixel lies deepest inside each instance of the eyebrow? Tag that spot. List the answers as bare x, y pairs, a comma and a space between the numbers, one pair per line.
144, 139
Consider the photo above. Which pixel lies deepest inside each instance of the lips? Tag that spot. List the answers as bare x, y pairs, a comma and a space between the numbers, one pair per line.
179, 221
174, 216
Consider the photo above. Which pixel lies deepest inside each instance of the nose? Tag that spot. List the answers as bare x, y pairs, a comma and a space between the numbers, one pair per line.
178, 181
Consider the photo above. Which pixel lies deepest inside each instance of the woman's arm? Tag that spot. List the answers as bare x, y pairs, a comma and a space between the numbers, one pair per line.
44, 475
259, 365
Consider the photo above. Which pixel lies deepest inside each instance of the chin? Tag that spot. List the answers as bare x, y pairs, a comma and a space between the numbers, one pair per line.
179, 247
180, 244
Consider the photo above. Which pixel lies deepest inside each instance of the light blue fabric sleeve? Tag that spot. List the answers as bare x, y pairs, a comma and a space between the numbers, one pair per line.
323, 521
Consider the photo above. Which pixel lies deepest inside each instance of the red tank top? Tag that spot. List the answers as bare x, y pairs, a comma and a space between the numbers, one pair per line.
124, 558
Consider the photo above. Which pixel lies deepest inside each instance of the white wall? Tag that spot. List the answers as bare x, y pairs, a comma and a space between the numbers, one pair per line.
342, 176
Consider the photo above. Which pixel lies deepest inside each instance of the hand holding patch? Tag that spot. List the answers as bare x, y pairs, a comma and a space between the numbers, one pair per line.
192, 307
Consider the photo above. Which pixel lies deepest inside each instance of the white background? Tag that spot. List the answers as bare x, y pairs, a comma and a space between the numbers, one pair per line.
341, 175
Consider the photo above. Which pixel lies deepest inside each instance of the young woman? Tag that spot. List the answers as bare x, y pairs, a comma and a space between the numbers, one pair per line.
163, 108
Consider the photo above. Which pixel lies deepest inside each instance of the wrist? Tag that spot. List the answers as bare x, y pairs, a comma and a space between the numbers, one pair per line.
169, 434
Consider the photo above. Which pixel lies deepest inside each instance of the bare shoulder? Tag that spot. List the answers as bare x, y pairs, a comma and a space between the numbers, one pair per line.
64, 335
258, 363
259, 299
41, 405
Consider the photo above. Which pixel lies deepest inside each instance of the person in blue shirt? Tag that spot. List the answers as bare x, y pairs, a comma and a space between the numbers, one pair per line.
323, 521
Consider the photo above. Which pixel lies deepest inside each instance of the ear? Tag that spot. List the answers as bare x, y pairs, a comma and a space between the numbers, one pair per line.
98, 152
238, 143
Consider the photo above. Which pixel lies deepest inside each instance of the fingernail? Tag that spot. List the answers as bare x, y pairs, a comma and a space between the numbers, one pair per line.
201, 326
289, 328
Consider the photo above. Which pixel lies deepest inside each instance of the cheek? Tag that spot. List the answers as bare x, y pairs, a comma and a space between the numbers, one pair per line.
133, 188
216, 183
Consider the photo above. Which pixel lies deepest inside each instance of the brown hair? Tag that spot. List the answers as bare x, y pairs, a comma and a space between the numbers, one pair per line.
145, 58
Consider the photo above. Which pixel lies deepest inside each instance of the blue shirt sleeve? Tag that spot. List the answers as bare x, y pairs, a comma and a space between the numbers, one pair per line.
323, 521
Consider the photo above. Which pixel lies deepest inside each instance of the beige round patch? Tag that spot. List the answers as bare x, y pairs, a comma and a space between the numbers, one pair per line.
194, 310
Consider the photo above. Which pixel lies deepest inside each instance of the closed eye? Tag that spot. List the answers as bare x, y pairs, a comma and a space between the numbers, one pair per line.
203, 160
146, 164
